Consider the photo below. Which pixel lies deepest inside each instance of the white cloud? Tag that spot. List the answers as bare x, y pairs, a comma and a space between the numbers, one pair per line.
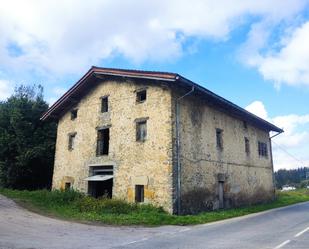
257, 108
294, 140
6, 89
282, 160
68, 36
289, 64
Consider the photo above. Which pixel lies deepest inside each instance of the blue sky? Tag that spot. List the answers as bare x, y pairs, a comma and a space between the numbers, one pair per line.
253, 53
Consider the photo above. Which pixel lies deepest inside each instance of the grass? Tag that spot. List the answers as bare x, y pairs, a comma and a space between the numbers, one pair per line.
76, 206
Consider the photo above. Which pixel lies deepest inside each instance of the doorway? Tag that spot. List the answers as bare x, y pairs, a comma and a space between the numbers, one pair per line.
100, 181
101, 188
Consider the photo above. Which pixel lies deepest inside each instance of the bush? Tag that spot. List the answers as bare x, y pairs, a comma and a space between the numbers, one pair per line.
62, 197
104, 205
113, 206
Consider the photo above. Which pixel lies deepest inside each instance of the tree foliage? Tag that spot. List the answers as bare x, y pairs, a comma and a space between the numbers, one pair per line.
27, 144
293, 177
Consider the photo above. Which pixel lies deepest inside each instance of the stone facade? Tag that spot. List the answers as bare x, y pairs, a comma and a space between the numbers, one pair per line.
245, 177
210, 177
146, 163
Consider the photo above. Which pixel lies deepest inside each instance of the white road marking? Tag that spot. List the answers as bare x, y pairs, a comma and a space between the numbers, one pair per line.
300, 233
282, 244
134, 241
144, 239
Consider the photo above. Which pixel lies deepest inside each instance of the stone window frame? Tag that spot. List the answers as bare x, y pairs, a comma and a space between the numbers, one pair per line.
71, 140
138, 123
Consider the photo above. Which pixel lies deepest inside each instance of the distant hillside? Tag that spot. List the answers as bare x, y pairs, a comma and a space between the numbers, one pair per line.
294, 177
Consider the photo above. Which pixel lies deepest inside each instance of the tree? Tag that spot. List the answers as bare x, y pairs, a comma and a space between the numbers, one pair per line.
291, 177
27, 144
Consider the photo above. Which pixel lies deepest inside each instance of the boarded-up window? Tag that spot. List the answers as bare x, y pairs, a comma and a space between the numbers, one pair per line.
141, 95
103, 142
262, 147
104, 104
141, 130
219, 138
71, 144
139, 193
247, 145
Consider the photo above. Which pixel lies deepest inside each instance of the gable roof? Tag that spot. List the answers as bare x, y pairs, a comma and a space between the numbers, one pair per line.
94, 73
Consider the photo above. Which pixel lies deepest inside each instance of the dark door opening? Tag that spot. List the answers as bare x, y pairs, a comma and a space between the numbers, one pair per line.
139, 193
101, 188
221, 194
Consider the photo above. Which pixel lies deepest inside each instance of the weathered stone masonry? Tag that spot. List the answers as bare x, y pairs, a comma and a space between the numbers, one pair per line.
246, 177
146, 163
210, 177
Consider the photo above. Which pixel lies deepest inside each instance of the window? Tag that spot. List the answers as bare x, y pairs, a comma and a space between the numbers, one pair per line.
101, 170
103, 142
247, 145
139, 193
141, 96
71, 141
262, 147
245, 125
219, 133
104, 104
67, 186
141, 130
74, 114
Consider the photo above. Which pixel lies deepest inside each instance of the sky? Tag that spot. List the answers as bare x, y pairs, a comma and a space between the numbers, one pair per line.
254, 53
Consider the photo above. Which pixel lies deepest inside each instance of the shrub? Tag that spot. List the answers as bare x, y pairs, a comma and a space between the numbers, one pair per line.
113, 206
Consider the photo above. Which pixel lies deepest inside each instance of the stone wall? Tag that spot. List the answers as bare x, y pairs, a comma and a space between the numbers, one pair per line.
147, 163
245, 177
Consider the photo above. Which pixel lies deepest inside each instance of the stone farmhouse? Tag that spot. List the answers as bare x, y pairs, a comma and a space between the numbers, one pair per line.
157, 137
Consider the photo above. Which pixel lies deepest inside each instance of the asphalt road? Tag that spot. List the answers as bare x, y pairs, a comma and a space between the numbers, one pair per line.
281, 228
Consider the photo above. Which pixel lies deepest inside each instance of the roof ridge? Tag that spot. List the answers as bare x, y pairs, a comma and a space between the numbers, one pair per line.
133, 70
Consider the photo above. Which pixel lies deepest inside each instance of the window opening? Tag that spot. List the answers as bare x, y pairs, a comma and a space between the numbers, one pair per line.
219, 134
104, 104
103, 142
141, 131
74, 114
141, 96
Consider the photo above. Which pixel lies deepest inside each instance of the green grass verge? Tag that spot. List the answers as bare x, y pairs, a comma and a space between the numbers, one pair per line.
76, 206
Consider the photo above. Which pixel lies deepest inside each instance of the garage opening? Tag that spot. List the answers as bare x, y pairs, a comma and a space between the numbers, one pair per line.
100, 181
